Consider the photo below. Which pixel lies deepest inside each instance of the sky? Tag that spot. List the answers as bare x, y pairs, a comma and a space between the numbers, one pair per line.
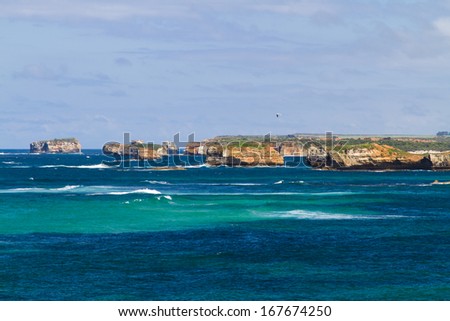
95, 69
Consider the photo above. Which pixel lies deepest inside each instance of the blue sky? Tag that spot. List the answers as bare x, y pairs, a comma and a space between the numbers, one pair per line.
94, 69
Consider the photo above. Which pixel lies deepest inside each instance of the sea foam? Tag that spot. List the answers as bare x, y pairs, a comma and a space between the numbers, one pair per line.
94, 166
138, 191
318, 215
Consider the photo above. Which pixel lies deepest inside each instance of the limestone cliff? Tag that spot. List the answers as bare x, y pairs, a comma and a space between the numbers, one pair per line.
370, 157
56, 146
194, 148
291, 149
166, 149
440, 160
242, 155
135, 150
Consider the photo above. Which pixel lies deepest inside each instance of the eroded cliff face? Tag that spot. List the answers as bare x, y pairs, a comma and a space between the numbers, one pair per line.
292, 149
440, 160
370, 157
263, 155
135, 150
56, 146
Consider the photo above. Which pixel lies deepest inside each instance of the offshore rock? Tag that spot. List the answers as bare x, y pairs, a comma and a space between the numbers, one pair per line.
56, 146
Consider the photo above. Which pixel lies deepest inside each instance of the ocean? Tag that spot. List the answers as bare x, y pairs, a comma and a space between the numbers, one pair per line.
72, 228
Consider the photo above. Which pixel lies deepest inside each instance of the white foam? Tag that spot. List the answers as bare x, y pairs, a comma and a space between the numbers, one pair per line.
318, 215
230, 184
196, 166
290, 182
157, 182
67, 188
9, 163
95, 166
40, 189
269, 194
138, 191
167, 197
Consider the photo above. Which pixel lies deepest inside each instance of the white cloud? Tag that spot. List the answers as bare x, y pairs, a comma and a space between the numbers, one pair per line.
443, 26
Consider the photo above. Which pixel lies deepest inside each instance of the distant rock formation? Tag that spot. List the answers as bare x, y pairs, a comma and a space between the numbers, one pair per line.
243, 155
290, 148
440, 160
56, 146
370, 156
194, 148
135, 150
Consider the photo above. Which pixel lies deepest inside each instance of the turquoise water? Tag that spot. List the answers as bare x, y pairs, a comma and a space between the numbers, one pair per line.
74, 229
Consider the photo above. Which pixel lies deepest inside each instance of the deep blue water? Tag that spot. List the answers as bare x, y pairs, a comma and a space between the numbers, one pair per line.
73, 229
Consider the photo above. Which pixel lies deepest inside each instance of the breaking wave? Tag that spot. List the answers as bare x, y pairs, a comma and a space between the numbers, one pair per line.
138, 191
157, 182
39, 189
95, 166
318, 215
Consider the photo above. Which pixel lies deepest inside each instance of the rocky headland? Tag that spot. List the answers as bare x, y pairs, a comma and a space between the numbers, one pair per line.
214, 152
370, 156
320, 152
56, 146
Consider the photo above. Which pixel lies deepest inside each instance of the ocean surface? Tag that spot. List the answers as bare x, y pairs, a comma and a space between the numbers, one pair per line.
72, 228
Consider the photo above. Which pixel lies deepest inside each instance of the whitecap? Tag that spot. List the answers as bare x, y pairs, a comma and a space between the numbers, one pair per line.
196, 166
138, 191
229, 184
318, 215
157, 182
66, 188
278, 183
40, 189
297, 182
95, 166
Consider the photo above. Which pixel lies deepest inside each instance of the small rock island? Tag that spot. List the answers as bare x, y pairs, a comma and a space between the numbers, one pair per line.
56, 146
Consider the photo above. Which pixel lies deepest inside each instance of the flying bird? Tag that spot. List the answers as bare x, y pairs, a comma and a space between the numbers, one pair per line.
278, 115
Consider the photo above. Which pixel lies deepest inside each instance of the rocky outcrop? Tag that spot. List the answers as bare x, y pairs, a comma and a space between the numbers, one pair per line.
241, 155
291, 149
56, 146
166, 149
135, 150
370, 157
440, 160
195, 148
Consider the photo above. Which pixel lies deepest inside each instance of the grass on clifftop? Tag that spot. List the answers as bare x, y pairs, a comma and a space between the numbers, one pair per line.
442, 144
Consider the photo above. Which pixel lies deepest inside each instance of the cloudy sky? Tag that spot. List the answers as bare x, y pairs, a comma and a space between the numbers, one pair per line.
94, 69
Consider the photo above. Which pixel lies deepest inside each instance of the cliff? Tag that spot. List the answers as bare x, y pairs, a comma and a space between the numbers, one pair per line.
440, 160
291, 149
135, 150
370, 156
56, 146
243, 155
